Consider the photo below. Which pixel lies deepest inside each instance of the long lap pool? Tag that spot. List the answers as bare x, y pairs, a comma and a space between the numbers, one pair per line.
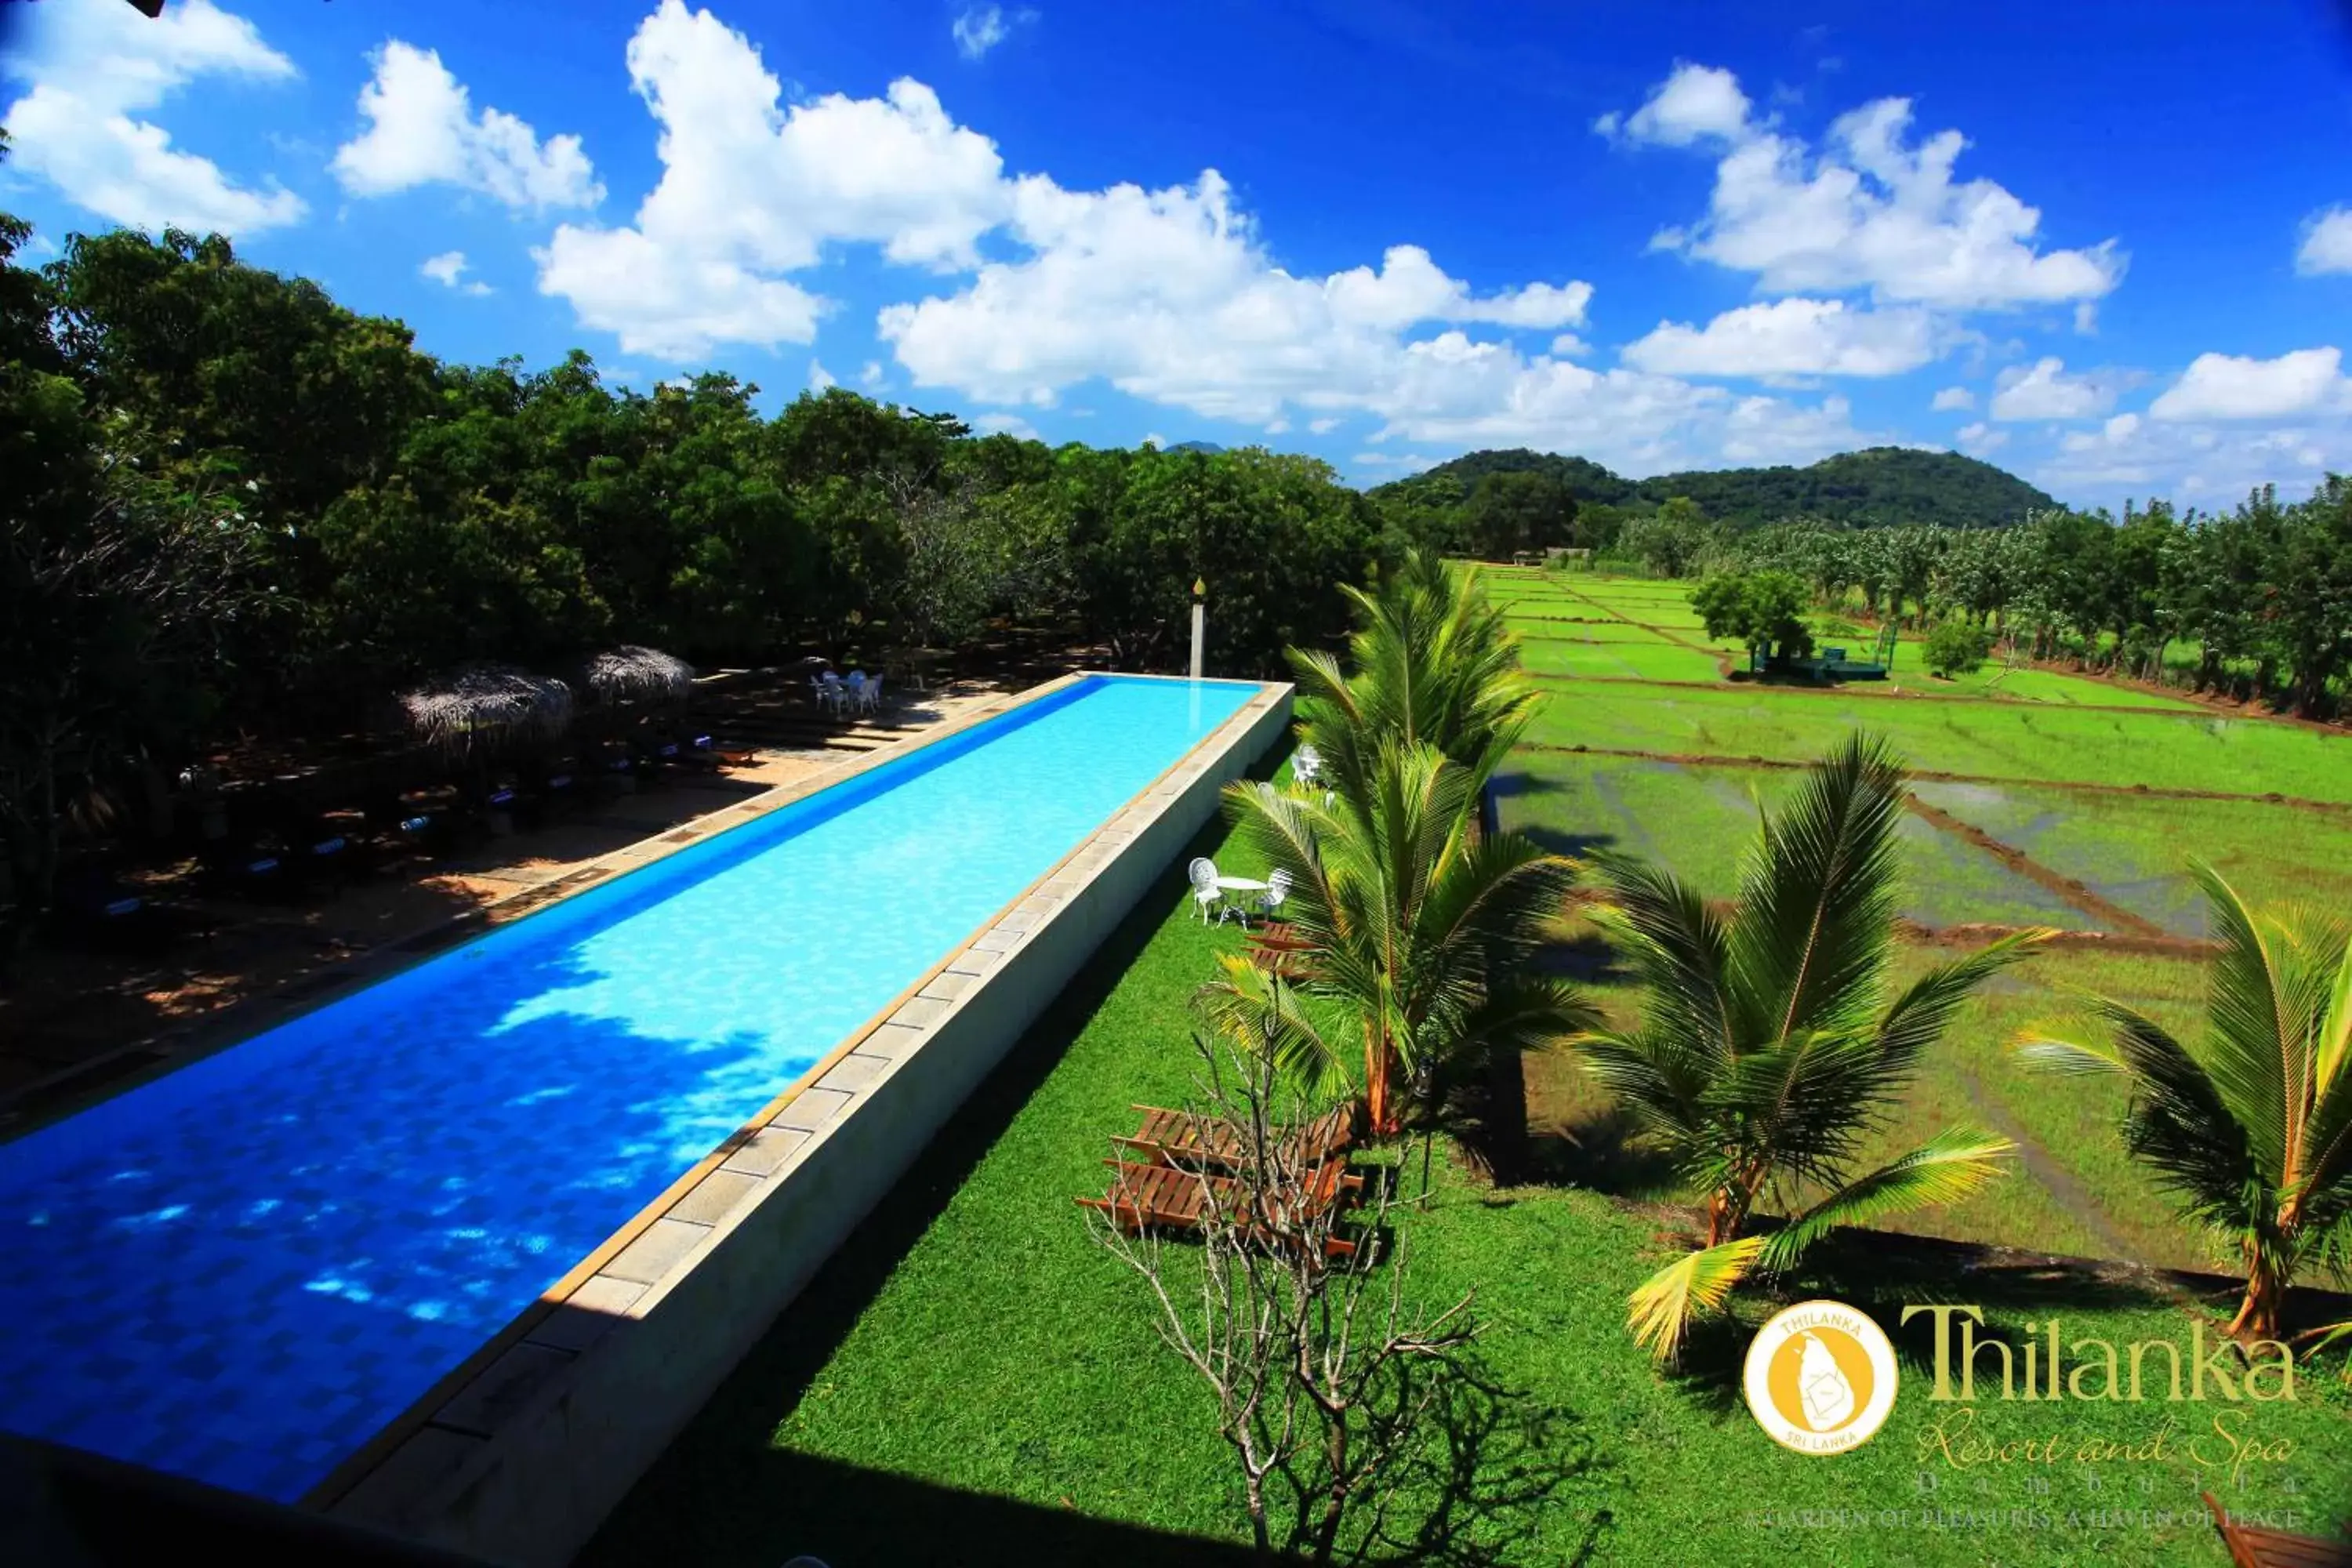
240, 1271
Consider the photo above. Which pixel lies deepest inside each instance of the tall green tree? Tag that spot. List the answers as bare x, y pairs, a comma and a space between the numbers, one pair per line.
2251, 1126
1515, 511
1671, 541
1773, 1044
1765, 610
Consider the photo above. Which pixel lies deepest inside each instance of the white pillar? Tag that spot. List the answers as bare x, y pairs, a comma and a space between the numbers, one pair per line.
1200, 614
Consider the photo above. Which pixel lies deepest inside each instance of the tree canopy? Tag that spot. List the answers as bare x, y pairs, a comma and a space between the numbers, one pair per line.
1879, 486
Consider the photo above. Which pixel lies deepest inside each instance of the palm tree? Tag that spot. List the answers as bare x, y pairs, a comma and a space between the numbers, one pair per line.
1772, 1045
1431, 663
2252, 1128
1414, 930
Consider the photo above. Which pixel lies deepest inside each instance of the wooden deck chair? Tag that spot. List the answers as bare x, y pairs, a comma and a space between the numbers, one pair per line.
1179, 1138
2253, 1548
1162, 1197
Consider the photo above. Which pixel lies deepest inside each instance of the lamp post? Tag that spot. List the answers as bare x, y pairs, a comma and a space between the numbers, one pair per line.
1199, 587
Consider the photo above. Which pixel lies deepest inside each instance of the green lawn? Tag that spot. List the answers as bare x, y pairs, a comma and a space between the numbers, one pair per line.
973, 1381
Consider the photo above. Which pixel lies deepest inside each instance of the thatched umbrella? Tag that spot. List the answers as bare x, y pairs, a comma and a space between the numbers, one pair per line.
487, 703
630, 674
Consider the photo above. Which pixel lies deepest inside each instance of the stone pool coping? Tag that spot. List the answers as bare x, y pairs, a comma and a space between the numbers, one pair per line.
519, 1453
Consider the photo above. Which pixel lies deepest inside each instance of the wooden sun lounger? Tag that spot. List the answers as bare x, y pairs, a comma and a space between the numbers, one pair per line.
2252, 1548
1177, 1138
1164, 1197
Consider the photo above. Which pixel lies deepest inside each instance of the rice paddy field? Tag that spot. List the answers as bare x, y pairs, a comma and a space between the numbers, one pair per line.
2044, 798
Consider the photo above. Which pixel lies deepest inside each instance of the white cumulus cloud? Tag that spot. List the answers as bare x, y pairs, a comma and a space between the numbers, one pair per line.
95, 71
1953, 398
2230, 387
422, 130
1792, 337
750, 189
2044, 391
1169, 294
1980, 438
1869, 208
2327, 243
979, 29
447, 270
1695, 102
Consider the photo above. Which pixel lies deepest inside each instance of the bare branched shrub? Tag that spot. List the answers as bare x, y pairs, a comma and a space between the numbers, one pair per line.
1327, 1382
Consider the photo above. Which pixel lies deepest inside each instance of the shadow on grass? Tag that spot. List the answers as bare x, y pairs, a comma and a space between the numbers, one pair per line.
1495, 1459
1882, 1273
1601, 1151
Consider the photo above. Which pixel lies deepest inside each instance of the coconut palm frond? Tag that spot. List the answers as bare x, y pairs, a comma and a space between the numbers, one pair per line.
2252, 1129
1680, 951
1262, 1012
1945, 1169
1927, 1008
2040, 1049
1769, 1051
1817, 897
1661, 1311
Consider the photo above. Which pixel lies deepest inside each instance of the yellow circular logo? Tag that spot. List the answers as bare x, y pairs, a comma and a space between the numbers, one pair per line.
1819, 1378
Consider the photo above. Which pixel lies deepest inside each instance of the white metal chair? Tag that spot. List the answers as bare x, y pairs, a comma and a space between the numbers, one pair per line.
831, 692
1202, 872
1306, 765
1277, 887
869, 696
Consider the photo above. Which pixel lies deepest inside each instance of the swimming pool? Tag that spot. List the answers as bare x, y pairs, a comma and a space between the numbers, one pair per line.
240, 1271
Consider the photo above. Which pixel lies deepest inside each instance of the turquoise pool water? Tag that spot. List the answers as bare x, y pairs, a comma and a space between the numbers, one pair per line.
240, 1271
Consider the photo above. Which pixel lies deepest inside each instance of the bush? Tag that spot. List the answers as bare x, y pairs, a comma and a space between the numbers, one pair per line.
1957, 648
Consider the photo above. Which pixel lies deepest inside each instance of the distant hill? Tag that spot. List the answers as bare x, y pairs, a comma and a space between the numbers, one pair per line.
1196, 447
1878, 485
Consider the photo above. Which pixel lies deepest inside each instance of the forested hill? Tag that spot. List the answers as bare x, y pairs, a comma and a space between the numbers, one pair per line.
1878, 485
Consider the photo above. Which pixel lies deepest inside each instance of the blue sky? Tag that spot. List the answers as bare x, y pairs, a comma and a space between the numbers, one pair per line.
2106, 246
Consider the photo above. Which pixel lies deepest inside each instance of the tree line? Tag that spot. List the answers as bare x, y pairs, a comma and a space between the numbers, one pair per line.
233, 507
2254, 602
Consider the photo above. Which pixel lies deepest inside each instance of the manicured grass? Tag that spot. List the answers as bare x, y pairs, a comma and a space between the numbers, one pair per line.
972, 1346
2024, 741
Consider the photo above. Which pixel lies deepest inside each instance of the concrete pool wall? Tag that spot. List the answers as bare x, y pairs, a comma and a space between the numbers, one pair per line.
520, 1453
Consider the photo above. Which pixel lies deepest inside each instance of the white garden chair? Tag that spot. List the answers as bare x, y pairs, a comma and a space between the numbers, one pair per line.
1277, 887
1307, 766
869, 696
1202, 873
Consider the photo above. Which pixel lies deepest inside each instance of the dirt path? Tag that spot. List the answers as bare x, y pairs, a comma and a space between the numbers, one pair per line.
2047, 1171
2079, 787
2033, 871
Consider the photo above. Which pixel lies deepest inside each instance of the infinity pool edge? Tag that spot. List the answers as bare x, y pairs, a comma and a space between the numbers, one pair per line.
519, 1452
